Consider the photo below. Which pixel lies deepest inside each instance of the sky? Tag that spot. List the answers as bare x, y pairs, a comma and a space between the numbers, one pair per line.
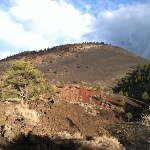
37, 24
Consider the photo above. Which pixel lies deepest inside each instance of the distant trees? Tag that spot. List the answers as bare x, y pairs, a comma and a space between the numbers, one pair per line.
34, 53
23, 80
136, 83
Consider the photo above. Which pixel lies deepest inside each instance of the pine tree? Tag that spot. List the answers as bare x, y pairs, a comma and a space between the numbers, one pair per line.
21, 77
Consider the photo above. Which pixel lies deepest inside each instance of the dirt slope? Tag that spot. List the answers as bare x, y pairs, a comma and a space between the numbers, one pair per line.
61, 126
88, 62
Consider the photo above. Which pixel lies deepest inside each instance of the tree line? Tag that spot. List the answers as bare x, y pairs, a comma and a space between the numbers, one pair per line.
136, 83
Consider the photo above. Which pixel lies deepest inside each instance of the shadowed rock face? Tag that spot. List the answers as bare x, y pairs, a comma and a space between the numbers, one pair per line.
90, 62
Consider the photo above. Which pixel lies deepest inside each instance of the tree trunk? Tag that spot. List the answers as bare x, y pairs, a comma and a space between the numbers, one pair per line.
26, 92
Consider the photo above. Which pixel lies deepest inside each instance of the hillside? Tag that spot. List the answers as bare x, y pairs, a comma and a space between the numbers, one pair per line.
38, 115
89, 62
69, 122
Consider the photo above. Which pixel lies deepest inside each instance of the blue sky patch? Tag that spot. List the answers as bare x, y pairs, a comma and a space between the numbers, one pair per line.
38, 24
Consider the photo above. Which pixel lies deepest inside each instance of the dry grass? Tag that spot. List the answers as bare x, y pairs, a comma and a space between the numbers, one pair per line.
102, 143
22, 111
146, 120
89, 108
66, 135
97, 143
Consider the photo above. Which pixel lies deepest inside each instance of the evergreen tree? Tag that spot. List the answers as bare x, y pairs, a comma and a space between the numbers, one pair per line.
135, 82
22, 78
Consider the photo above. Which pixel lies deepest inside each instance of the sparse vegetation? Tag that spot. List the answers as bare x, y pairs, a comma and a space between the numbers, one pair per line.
31, 54
84, 115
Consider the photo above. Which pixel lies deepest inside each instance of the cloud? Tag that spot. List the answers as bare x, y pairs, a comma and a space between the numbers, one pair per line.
127, 26
14, 34
5, 53
36, 24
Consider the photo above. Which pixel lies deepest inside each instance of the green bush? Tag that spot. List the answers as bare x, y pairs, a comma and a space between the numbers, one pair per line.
136, 83
24, 81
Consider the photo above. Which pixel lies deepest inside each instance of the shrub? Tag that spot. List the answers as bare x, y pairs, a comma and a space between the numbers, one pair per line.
129, 116
122, 101
145, 96
103, 143
22, 111
146, 120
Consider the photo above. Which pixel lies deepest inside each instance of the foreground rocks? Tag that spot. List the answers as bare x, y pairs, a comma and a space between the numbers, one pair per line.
62, 125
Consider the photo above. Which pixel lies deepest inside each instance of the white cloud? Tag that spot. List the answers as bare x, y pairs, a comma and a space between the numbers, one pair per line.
128, 26
14, 34
4, 54
38, 24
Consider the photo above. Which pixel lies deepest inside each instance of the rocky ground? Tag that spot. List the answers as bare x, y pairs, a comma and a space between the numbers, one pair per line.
62, 123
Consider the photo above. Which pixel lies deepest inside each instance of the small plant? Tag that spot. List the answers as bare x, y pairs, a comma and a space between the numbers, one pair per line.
99, 87
22, 111
146, 120
62, 83
129, 116
121, 93
145, 96
2, 122
122, 101
120, 111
